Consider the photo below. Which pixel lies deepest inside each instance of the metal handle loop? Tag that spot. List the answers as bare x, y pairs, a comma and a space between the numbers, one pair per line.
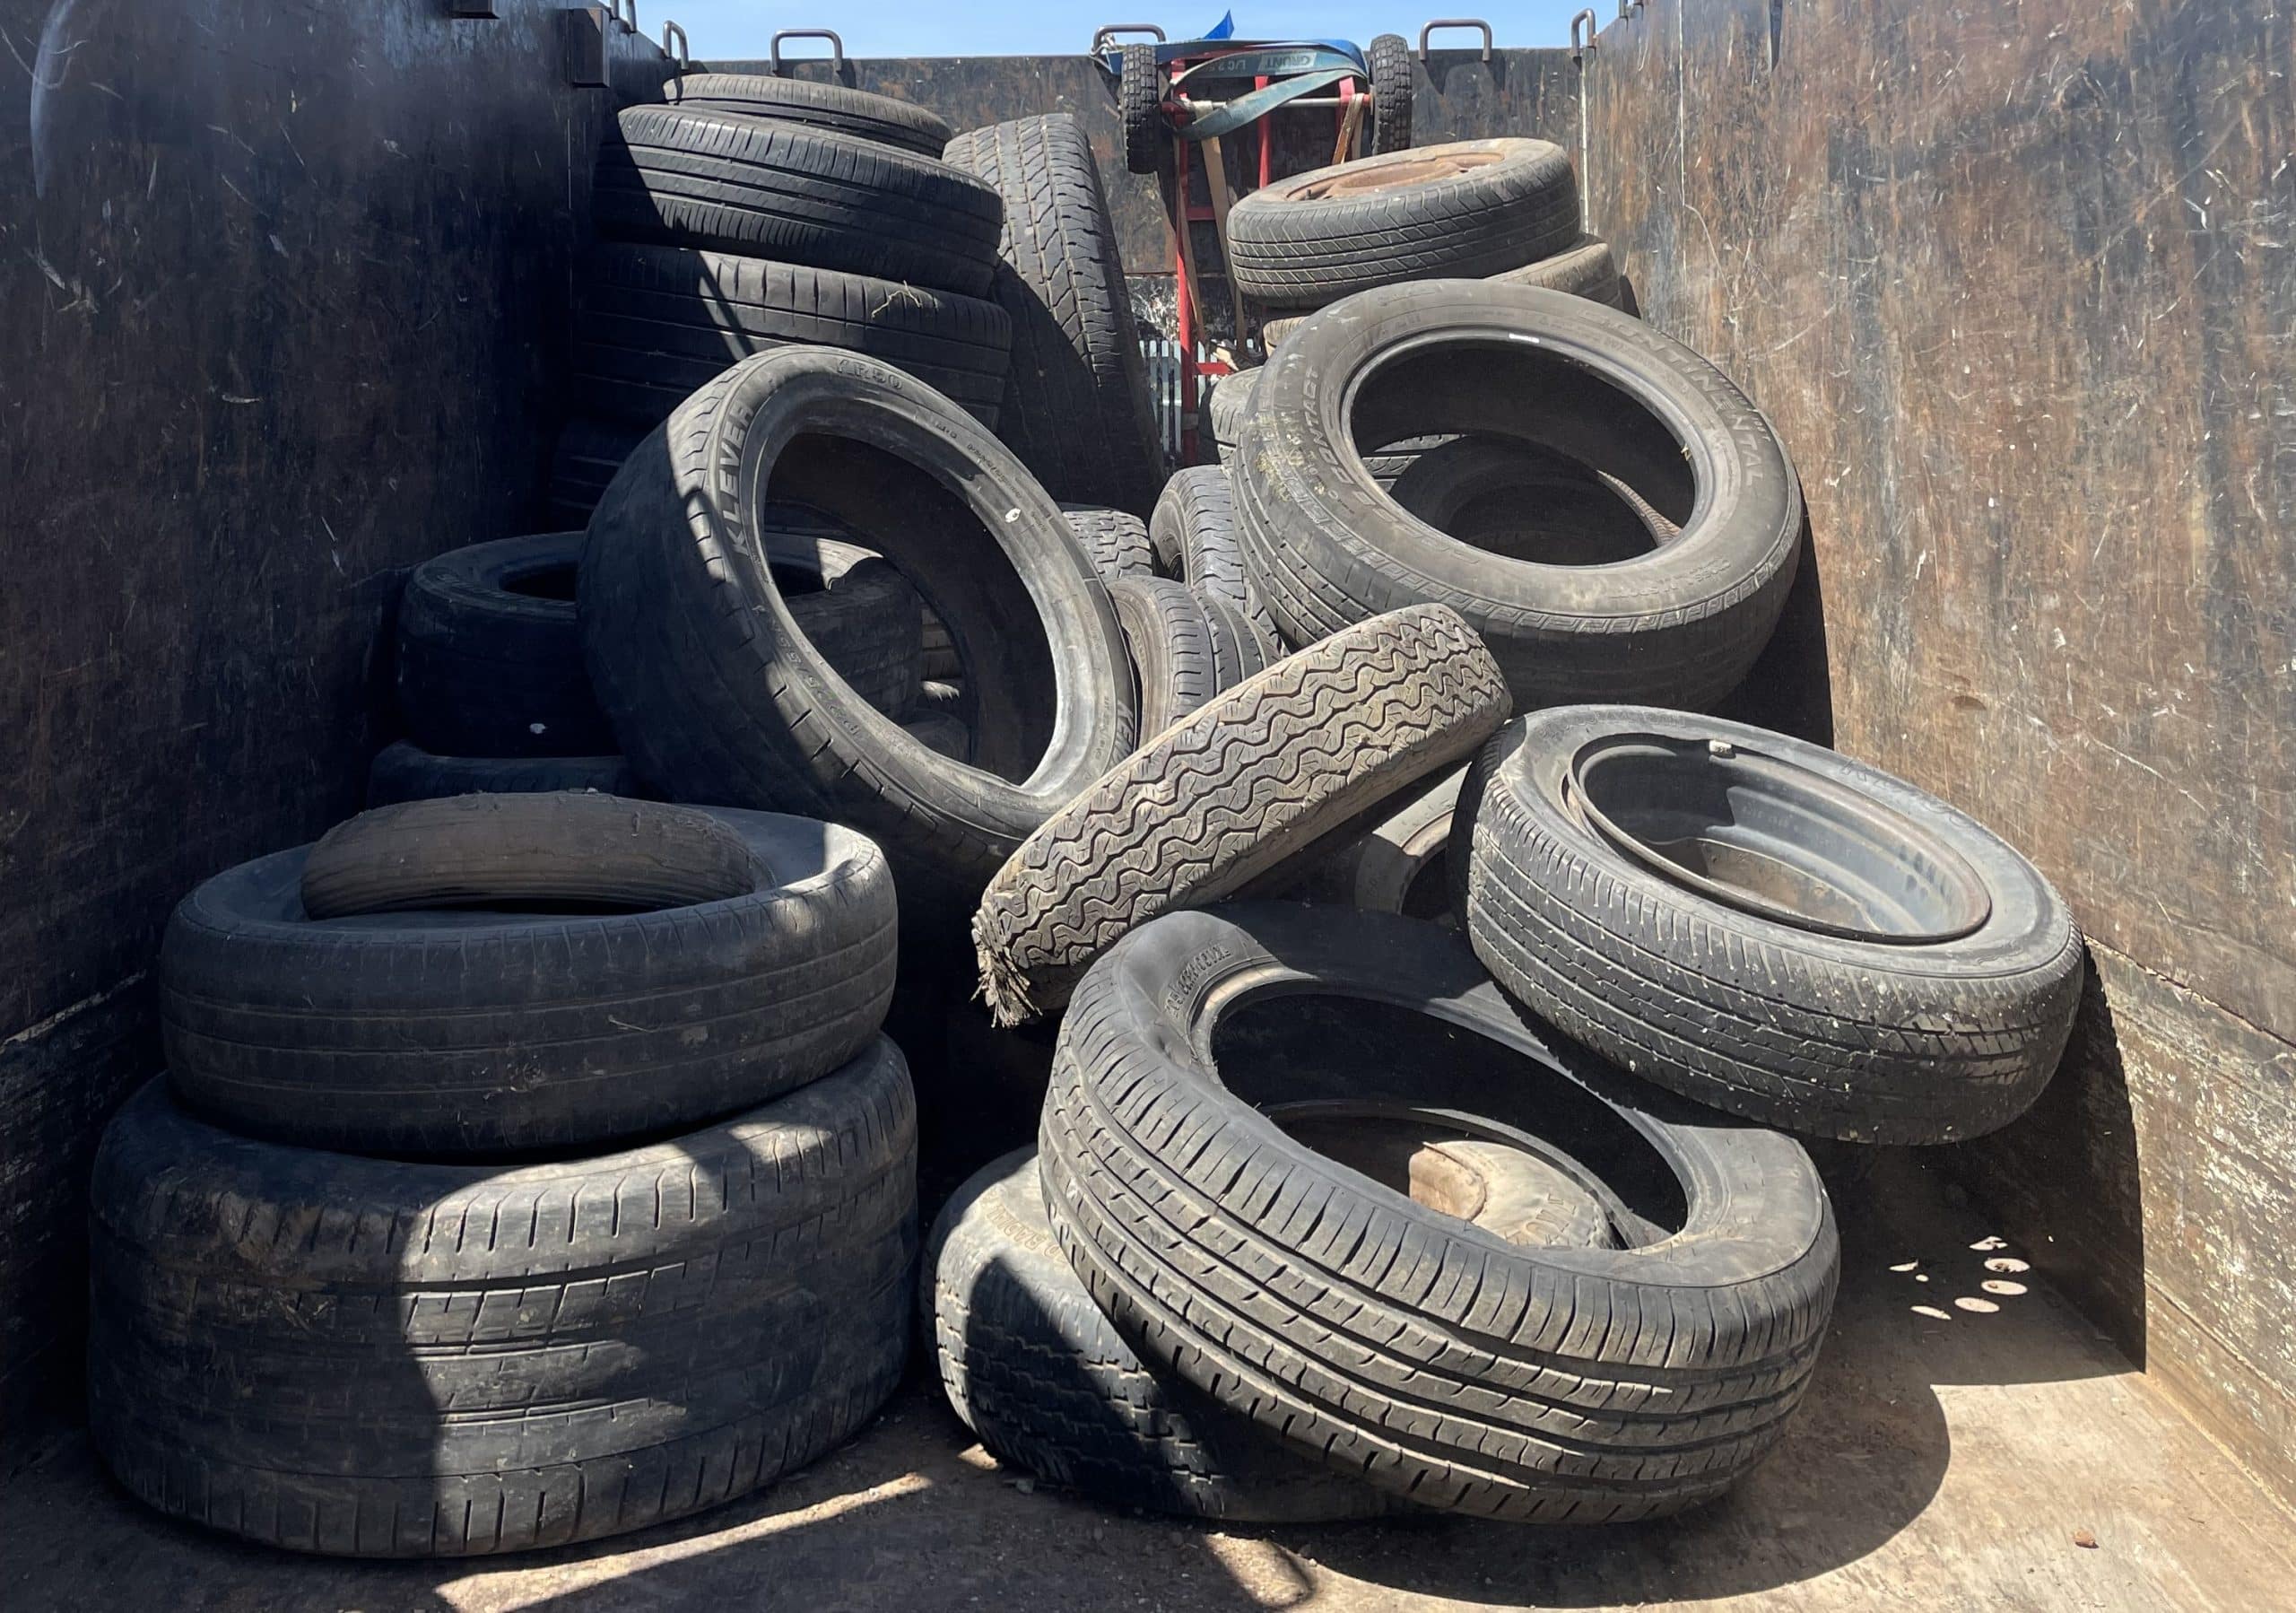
1626, 5
1476, 22
835, 47
1101, 37
684, 54
1583, 42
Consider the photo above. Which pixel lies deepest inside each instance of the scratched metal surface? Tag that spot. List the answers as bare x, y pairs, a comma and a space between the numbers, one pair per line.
2017, 283
280, 292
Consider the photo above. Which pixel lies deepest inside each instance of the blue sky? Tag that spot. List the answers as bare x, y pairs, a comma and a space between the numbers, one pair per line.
741, 28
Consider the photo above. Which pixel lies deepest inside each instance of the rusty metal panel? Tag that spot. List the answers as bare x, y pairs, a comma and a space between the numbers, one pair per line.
2016, 282
282, 297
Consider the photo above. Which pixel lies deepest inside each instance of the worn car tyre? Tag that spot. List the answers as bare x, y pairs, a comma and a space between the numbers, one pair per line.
1226, 407
1248, 780
1388, 1340
1196, 520
1584, 268
1398, 862
490, 659
1169, 634
1032, 1367
1768, 926
1075, 404
1472, 207
1389, 57
373, 1358
498, 1030
857, 610
1324, 544
1115, 540
654, 323
833, 106
405, 773
1140, 103
720, 698
729, 183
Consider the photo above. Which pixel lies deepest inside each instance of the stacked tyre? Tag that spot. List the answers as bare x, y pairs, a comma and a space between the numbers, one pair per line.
527, 1169
750, 213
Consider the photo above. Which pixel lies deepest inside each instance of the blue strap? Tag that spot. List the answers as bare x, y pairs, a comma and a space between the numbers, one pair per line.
1246, 109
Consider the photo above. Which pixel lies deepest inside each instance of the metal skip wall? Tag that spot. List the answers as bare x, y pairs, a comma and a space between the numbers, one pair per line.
2017, 283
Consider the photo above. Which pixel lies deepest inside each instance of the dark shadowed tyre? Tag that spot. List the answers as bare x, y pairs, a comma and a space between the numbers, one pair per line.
1324, 544
1115, 540
1075, 404
1388, 57
1034, 1369
720, 698
405, 773
879, 117
1169, 633
1226, 407
373, 1358
1245, 782
1768, 926
626, 1006
1583, 268
1196, 518
731, 183
1140, 108
656, 322
1400, 862
1472, 207
1325, 1300
857, 611
490, 659
588, 453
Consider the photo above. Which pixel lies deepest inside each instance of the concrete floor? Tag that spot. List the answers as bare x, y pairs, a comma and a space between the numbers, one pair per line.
1970, 1443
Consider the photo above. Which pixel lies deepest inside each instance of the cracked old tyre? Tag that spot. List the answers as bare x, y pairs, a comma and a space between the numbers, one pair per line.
1391, 1341
1766, 925
1245, 782
367, 1357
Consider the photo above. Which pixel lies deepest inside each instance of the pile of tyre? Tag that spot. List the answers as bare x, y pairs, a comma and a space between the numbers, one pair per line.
1481, 1196
527, 1169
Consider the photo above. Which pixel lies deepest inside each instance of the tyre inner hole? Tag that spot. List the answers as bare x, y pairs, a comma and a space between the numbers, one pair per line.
1552, 463
553, 582
1374, 1086
1778, 840
1008, 683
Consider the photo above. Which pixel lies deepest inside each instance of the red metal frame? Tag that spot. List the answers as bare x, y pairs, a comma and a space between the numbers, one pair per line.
1190, 216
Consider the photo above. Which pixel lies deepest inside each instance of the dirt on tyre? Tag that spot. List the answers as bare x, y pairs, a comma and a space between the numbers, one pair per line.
1075, 404
1767, 926
1248, 780
1033, 1368
1389, 1339
1324, 545
724, 182
822, 106
699, 962
1467, 209
720, 698
367, 1357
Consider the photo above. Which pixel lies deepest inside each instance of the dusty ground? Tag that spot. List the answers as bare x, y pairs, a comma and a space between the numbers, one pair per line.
1961, 1448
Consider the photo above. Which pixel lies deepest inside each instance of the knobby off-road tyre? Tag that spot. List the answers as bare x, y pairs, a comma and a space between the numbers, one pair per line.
454, 1034
1881, 1037
729, 183
1584, 268
1075, 404
1393, 1342
1470, 208
1324, 545
1388, 57
720, 699
833, 106
1196, 520
371, 1359
656, 322
1140, 108
404, 773
490, 659
1248, 779
1116, 541
1034, 1369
